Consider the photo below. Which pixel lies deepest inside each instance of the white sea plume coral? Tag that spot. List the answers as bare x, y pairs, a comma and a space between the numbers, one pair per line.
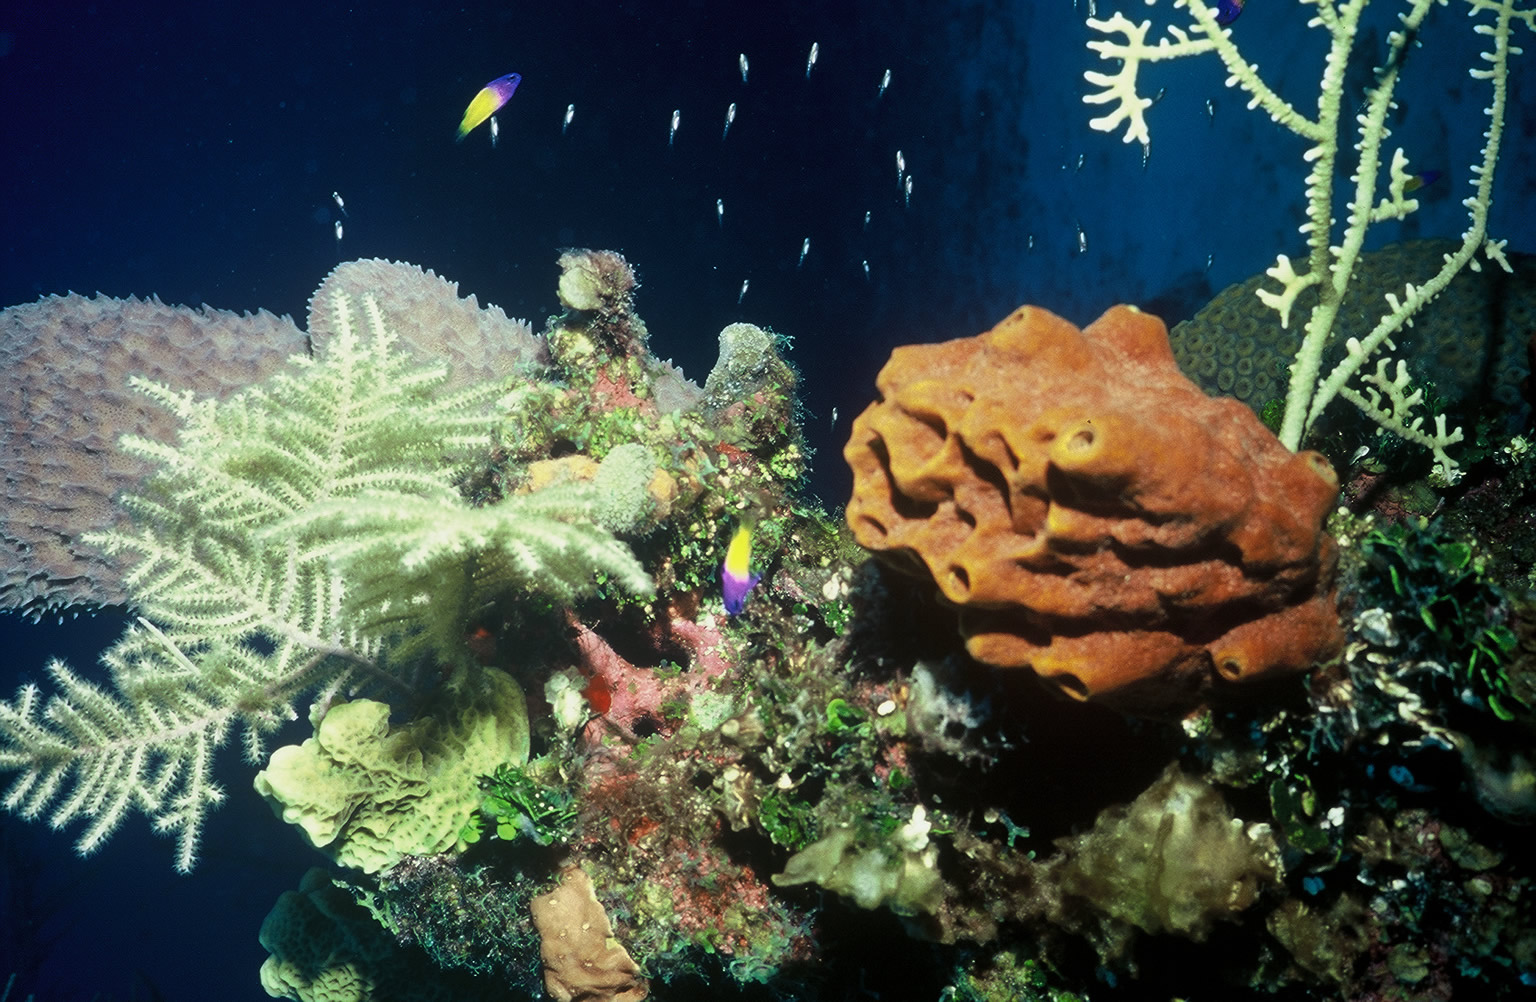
254, 589
1329, 265
231, 631
1120, 87
417, 568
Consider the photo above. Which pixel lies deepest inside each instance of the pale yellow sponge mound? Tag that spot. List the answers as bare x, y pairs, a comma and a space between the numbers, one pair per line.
367, 793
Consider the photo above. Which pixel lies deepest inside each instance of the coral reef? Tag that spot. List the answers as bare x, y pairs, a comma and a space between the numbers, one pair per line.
1174, 860
60, 422
1469, 344
819, 796
466, 918
1092, 514
240, 596
325, 947
477, 343
1385, 396
905, 881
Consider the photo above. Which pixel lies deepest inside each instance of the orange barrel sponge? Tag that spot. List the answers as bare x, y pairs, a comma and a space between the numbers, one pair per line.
1093, 515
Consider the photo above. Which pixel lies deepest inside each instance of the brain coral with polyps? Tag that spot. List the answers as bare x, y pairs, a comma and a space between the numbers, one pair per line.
1092, 514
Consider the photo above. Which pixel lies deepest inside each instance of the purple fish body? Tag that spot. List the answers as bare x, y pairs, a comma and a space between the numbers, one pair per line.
734, 589
505, 87
1228, 10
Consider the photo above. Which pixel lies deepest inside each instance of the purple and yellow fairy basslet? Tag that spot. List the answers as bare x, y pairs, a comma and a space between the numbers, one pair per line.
486, 103
736, 577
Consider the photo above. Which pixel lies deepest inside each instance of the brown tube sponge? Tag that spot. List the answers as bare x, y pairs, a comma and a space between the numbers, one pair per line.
582, 960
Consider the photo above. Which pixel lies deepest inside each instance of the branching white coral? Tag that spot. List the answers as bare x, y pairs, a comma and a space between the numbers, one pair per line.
1390, 401
291, 538
1330, 266
1121, 87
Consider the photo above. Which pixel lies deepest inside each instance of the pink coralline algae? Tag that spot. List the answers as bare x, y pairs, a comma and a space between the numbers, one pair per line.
635, 700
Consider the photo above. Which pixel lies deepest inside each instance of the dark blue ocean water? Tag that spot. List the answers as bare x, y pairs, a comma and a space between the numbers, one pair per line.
192, 149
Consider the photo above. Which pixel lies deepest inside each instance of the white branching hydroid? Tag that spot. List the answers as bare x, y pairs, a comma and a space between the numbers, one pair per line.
1330, 265
291, 538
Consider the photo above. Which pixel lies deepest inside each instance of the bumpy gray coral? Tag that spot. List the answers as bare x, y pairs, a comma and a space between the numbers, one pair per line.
748, 360
1472, 338
479, 343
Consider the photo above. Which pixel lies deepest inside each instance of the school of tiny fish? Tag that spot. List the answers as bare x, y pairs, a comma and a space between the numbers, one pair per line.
494, 96
492, 107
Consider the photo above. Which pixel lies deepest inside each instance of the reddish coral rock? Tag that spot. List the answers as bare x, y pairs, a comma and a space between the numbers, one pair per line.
628, 696
1092, 514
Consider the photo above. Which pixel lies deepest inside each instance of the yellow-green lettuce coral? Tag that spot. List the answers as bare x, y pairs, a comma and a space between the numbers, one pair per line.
368, 794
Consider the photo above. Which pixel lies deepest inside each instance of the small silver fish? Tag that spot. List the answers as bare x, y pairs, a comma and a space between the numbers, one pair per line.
866, 219
1030, 244
901, 166
805, 248
833, 423
338, 233
677, 117
1082, 239
743, 293
810, 60
866, 269
720, 212
570, 113
885, 81
495, 131
336, 197
730, 116
907, 193
1210, 109
742, 62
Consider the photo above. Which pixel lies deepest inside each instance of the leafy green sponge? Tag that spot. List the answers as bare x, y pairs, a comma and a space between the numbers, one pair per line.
367, 793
